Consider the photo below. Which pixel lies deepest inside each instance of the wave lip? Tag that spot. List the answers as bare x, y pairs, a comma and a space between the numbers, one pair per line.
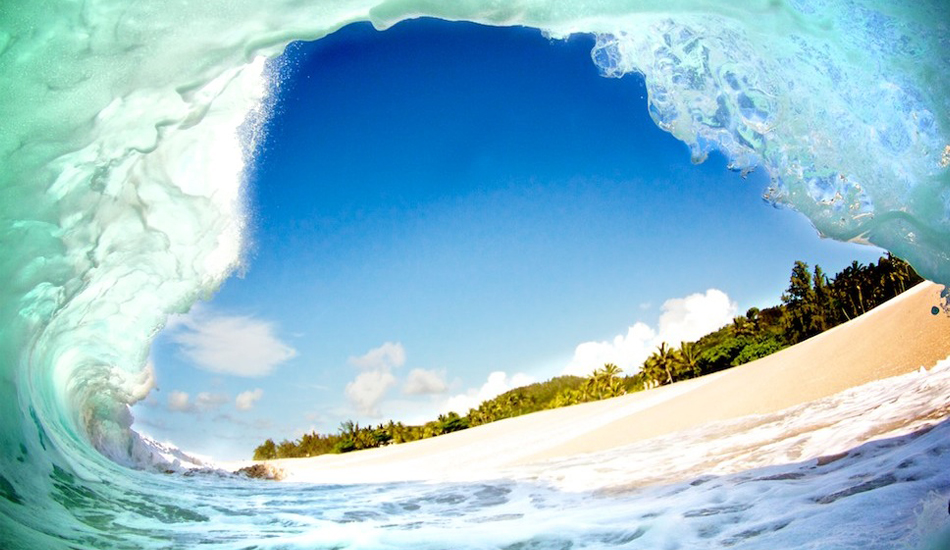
123, 150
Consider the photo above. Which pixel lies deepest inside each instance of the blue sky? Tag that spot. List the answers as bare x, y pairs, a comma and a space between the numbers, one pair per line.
444, 210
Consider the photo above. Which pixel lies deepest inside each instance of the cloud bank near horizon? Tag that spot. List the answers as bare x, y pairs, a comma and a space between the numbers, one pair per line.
682, 320
371, 385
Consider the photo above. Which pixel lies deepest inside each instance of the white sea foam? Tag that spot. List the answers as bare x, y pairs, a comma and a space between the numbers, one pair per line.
880, 410
866, 468
120, 202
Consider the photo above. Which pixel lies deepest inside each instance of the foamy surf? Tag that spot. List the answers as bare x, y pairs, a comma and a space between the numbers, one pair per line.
120, 202
866, 468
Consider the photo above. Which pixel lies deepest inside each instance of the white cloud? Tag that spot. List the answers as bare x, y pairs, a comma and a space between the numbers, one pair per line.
385, 357
235, 345
627, 351
178, 401
425, 382
368, 389
683, 320
370, 386
690, 318
245, 400
206, 400
498, 383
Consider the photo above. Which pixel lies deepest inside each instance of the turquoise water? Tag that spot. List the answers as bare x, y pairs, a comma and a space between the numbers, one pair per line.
124, 133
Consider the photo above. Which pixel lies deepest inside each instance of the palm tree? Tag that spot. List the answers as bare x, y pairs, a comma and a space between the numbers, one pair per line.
651, 371
752, 315
666, 359
741, 326
855, 274
823, 302
610, 370
659, 366
589, 389
565, 398
688, 357
398, 431
603, 383
610, 376
266, 450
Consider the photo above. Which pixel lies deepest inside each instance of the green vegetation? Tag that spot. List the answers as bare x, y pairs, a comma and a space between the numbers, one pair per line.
810, 305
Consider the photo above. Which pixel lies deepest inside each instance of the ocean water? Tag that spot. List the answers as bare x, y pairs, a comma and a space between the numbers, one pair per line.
125, 129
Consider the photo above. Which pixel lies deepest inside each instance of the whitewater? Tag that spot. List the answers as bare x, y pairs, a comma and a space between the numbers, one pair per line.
125, 131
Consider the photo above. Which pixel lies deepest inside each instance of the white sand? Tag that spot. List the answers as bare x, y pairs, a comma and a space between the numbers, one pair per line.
894, 339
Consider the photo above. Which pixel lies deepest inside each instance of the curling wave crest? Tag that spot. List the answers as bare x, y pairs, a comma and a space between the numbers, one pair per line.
124, 133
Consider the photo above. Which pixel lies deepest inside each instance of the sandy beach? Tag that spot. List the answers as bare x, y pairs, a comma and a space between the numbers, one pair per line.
897, 338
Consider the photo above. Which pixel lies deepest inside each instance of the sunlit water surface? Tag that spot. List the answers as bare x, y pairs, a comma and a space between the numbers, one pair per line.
124, 131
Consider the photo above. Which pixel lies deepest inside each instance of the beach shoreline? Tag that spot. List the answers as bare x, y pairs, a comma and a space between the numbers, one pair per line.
897, 338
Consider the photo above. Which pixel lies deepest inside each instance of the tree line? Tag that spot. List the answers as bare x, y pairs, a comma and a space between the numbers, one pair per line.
811, 304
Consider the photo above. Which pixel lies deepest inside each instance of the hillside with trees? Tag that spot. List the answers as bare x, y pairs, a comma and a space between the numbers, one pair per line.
810, 305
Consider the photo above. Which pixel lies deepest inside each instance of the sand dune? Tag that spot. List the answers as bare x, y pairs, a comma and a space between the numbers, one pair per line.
896, 338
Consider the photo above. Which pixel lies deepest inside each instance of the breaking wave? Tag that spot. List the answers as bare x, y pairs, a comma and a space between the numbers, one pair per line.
124, 133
